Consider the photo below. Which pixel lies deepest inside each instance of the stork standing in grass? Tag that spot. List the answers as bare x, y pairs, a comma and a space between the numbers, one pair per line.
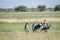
46, 26
26, 27
33, 25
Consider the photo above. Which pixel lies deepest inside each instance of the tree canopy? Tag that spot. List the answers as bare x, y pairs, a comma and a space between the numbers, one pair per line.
21, 8
57, 8
41, 7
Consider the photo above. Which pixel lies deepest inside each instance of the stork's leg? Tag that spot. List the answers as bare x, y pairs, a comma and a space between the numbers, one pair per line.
45, 30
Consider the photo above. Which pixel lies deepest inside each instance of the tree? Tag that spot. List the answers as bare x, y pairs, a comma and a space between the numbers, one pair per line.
41, 7
2, 10
21, 8
57, 8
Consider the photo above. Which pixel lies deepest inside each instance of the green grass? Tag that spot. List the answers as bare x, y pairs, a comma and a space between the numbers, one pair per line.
13, 31
11, 27
6, 27
29, 14
56, 25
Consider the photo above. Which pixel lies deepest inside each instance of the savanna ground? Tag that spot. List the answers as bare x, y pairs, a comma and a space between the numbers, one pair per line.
12, 25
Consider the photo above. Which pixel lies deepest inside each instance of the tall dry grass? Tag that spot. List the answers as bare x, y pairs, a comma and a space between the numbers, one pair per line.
30, 36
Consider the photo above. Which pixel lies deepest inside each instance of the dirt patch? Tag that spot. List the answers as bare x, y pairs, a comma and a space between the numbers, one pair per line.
31, 20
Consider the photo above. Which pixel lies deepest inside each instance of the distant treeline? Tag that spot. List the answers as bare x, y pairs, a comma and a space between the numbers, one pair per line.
22, 8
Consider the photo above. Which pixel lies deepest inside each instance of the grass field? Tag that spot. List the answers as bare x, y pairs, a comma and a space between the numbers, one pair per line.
6, 27
21, 15
14, 29
30, 36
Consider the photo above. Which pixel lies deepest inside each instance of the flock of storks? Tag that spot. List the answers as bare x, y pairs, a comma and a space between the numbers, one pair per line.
43, 26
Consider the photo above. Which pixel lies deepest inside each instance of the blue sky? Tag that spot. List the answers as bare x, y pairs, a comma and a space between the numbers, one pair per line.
28, 3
